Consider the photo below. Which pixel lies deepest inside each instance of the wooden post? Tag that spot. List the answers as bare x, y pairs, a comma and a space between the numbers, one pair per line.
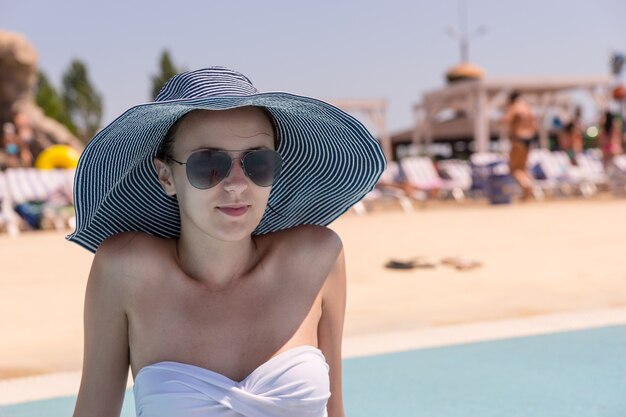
481, 122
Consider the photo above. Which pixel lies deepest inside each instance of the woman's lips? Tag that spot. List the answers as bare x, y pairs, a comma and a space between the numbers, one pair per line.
234, 211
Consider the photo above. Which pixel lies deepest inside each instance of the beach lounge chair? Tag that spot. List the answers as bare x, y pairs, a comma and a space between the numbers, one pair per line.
485, 164
592, 168
616, 172
487, 158
422, 174
481, 164
458, 171
550, 174
41, 195
620, 162
582, 180
389, 187
9, 219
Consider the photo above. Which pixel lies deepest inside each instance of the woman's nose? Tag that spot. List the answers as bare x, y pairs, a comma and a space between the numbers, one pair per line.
236, 181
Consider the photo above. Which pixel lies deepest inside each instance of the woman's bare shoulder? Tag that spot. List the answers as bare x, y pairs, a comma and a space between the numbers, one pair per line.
129, 244
127, 252
305, 249
309, 238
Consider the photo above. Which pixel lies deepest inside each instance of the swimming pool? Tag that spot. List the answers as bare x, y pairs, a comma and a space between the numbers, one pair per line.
570, 374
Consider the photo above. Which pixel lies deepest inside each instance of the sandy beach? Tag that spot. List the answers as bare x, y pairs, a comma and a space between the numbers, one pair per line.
537, 259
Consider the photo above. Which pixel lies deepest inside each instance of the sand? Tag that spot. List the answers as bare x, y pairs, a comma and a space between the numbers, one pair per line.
537, 259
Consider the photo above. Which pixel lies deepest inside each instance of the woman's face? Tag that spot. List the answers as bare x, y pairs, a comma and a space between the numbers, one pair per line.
233, 208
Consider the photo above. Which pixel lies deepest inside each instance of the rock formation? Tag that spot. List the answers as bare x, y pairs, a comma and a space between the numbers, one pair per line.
18, 77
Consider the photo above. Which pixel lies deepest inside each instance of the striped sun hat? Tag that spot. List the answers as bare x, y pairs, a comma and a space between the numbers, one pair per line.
330, 160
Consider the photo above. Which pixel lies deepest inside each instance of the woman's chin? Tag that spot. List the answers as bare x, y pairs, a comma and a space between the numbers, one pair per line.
233, 232
223, 227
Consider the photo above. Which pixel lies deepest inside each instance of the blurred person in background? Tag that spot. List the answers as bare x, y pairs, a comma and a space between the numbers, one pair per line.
571, 137
16, 153
28, 136
611, 137
521, 125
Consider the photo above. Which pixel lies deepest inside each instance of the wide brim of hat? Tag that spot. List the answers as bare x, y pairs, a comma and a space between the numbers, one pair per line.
330, 161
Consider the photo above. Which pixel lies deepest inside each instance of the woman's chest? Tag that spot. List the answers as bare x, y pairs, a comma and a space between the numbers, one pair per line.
229, 333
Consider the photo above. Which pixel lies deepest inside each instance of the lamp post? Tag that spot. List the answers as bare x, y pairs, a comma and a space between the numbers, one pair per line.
462, 34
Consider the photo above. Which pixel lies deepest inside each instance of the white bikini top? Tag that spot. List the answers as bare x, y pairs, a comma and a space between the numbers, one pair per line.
293, 383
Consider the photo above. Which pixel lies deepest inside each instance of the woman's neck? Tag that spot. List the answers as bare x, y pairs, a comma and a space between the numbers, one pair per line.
217, 264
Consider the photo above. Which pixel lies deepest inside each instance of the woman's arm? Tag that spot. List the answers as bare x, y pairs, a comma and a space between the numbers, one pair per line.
106, 352
330, 331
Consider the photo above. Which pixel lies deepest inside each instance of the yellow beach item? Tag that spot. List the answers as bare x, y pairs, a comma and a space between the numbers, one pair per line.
57, 156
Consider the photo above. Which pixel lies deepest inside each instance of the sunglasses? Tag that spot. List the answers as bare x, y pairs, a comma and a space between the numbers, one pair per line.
206, 168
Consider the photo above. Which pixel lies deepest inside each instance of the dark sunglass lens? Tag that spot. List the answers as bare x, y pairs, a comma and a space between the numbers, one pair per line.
205, 169
263, 167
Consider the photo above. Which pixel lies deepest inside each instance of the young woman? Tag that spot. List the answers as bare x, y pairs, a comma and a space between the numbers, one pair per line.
214, 277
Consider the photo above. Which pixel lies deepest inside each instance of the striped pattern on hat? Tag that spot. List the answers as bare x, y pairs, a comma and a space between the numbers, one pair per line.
330, 160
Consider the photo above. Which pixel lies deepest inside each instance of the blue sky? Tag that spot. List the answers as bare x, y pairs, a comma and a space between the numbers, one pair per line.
326, 49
